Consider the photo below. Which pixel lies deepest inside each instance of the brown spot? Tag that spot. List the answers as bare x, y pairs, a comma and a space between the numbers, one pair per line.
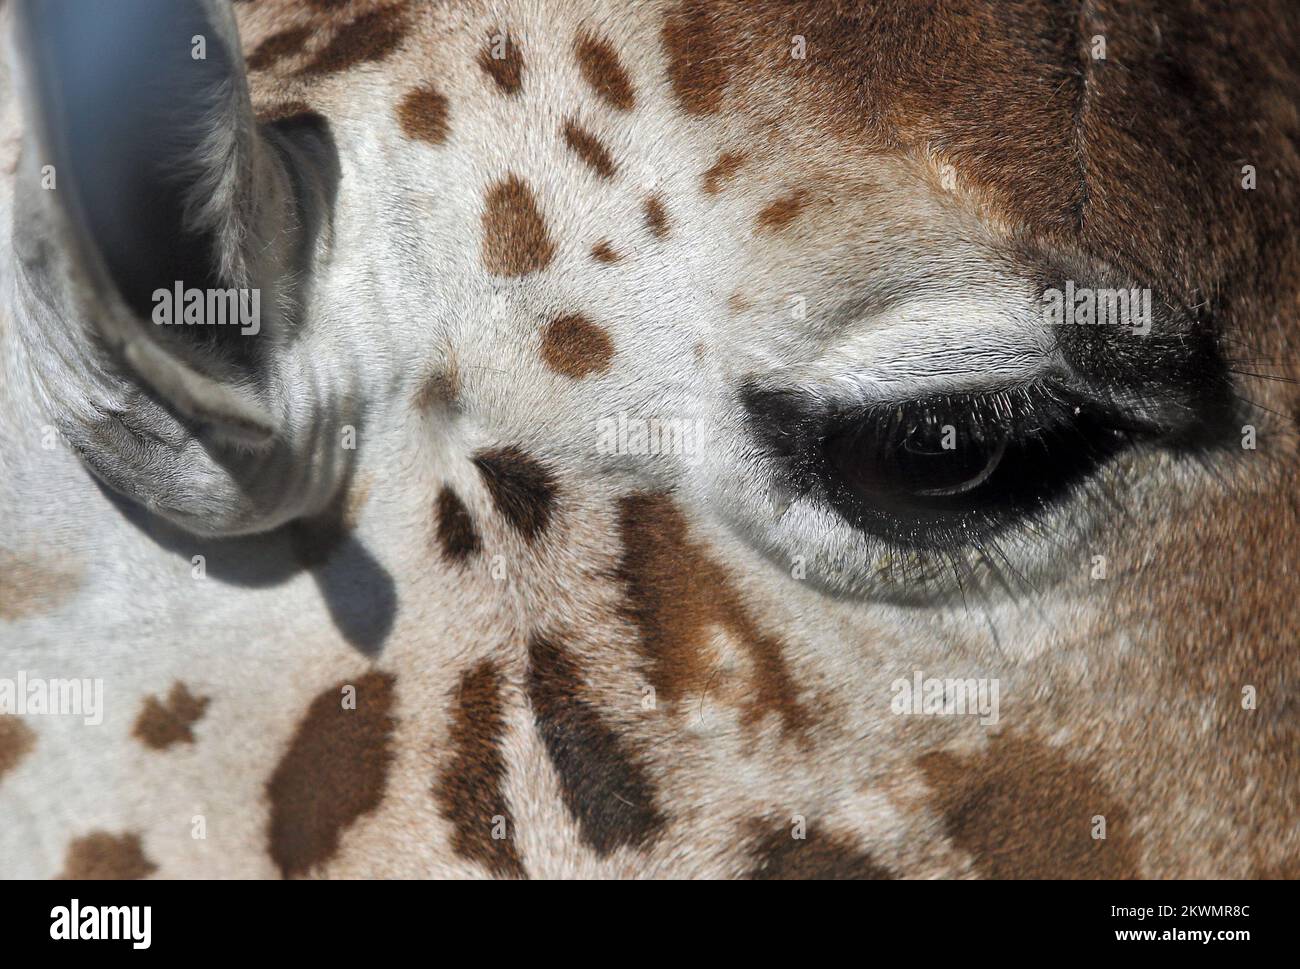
369, 38
334, 771
739, 302
1022, 809
676, 596
604, 252
456, 532
316, 539
698, 66
275, 48
471, 789
601, 69
779, 214
576, 347
439, 391
30, 585
270, 113
161, 724
606, 790
723, 169
656, 217
423, 115
515, 240
816, 857
588, 147
521, 488
101, 856
507, 71
16, 740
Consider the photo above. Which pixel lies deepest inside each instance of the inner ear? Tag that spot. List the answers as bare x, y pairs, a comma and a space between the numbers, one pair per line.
165, 183
133, 152
162, 184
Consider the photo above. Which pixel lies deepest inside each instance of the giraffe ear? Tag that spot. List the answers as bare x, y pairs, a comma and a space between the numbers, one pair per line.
157, 184
149, 195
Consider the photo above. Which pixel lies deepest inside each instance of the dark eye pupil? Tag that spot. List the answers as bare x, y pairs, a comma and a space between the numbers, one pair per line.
905, 464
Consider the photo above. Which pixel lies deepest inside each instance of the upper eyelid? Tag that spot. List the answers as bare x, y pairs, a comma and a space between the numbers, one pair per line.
928, 354
917, 377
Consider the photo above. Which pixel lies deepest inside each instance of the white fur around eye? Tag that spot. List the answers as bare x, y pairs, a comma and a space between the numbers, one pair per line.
940, 346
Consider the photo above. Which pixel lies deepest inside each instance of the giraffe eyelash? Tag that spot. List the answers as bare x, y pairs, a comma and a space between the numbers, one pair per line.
1018, 458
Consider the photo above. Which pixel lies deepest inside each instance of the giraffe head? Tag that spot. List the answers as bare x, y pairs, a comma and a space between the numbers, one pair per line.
712, 265
856, 336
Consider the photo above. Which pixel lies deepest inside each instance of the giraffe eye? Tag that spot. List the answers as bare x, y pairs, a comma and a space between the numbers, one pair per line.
907, 458
945, 470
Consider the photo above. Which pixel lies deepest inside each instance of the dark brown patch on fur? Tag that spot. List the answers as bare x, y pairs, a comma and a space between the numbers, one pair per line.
817, 857
161, 724
333, 772
521, 488
604, 251
471, 789
30, 586
601, 69
369, 38
16, 741
275, 48
1022, 809
723, 170
423, 115
101, 856
515, 239
588, 147
656, 216
507, 72
457, 535
698, 66
676, 596
606, 790
780, 213
576, 347
269, 113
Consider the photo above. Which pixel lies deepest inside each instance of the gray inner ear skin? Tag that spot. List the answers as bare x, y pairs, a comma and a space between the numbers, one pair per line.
163, 176
125, 97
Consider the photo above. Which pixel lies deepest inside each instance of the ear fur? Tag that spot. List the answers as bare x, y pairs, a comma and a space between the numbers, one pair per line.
144, 171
